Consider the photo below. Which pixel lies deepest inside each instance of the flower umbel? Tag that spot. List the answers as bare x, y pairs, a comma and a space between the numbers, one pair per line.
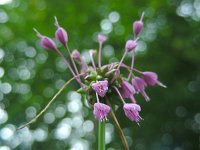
97, 82
100, 83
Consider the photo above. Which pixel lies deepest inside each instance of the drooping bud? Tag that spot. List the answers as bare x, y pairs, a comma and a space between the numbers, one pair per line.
151, 78
46, 42
60, 34
76, 54
131, 45
101, 111
101, 38
101, 87
132, 112
139, 84
138, 25
126, 90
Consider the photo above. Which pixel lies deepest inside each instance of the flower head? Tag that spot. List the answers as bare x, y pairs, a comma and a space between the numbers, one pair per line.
139, 84
132, 112
126, 90
101, 111
131, 45
99, 79
101, 87
101, 38
151, 78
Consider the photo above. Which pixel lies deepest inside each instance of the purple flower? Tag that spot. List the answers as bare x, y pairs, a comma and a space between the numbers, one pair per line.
46, 42
126, 90
75, 54
132, 112
101, 87
101, 38
101, 111
151, 78
139, 84
131, 45
61, 34
138, 25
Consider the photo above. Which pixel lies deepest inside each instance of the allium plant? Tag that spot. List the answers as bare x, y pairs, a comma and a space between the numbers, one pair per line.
99, 83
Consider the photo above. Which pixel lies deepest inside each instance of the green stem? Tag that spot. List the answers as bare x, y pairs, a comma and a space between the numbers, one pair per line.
101, 136
122, 136
50, 102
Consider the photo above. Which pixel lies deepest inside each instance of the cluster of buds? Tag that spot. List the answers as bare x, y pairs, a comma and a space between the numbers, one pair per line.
100, 83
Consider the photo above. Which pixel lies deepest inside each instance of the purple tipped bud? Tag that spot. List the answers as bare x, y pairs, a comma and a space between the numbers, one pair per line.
138, 25
139, 84
46, 42
101, 38
131, 45
151, 78
75, 54
101, 111
101, 87
132, 112
126, 90
61, 34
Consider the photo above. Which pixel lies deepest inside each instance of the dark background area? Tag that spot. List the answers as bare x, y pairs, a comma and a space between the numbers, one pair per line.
29, 76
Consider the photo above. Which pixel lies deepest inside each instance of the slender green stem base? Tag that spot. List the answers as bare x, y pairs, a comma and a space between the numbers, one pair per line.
101, 136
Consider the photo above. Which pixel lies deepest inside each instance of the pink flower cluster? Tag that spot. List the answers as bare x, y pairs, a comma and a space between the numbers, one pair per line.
102, 82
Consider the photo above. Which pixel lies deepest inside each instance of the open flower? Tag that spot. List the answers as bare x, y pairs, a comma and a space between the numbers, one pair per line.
126, 90
101, 87
101, 111
132, 112
139, 84
151, 78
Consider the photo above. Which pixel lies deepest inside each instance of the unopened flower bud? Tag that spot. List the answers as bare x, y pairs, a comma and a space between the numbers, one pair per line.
131, 45
46, 42
101, 38
75, 54
61, 34
138, 26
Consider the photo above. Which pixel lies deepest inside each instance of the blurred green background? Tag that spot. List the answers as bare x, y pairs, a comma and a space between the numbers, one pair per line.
30, 76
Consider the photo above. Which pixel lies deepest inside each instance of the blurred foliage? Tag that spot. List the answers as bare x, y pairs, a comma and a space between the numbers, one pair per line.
29, 76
